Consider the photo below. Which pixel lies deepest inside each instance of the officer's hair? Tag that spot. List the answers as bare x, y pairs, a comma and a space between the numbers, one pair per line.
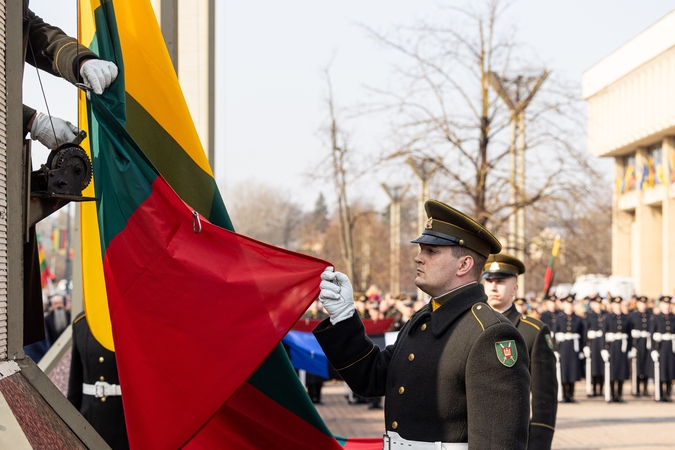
478, 260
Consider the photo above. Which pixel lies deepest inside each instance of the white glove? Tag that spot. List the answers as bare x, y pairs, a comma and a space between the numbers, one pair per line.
98, 74
655, 356
557, 355
336, 295
62, 133
605, 355
587, 352
632, 353
581, 355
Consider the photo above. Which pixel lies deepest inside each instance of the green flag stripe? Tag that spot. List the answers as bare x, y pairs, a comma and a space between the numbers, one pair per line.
132, 170
196, 187
291, 395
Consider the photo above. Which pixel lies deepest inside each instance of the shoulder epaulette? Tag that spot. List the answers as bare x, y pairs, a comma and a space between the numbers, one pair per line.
79, 317
485, 315
532, 321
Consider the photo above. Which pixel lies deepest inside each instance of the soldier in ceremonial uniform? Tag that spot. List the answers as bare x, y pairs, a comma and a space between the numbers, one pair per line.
618, 341
458, 372
93, 386
663, 327
501, 285
552, 313
642, 345
595, 343
570, 337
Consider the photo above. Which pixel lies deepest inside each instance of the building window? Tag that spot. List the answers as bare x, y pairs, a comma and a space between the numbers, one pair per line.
653, 171
628, 181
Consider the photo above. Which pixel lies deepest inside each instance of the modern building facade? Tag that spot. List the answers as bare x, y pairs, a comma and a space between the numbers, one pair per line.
631, 118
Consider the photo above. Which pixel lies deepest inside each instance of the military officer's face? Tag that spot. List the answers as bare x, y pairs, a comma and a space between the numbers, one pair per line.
437, 269
501, 291
616, 307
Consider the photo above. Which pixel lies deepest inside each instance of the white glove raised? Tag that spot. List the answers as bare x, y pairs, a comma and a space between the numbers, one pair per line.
336, 295
581, 355
605, 355
587, 352
655, 356
98, 74
632, 353
62, 133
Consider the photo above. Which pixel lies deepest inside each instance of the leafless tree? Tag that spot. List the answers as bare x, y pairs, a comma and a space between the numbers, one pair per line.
442, 105
266, 213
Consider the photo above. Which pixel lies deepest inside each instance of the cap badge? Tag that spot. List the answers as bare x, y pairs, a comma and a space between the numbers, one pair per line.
429, 224
494, 266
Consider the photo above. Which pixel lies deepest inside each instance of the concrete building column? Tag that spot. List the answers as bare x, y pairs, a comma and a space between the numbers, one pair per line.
648, 247
668, 218
622, 222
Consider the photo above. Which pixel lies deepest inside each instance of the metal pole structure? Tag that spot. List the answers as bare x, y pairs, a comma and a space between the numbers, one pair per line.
520, 212
511, 237
523, 88
395, 194
424, 168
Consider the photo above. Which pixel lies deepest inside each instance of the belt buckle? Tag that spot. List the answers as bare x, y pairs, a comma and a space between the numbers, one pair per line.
99, 389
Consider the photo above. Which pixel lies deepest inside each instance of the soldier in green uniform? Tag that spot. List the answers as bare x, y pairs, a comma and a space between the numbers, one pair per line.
500, 278
457, 376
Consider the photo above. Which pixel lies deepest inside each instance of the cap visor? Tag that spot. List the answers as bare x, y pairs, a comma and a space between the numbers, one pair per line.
432, 240
497, 275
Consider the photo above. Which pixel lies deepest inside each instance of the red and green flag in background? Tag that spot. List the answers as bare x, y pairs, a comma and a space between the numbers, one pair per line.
550, 273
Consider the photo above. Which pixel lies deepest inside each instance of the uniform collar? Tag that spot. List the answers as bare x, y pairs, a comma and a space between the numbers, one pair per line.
512, 314
461, 301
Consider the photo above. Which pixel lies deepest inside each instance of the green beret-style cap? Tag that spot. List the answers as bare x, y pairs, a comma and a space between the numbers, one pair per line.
448, 226
503, 265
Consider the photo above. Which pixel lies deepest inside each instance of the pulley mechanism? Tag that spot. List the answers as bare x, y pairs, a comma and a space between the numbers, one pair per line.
67, 172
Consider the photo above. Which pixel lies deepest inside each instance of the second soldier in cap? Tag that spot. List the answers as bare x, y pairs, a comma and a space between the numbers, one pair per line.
501, 284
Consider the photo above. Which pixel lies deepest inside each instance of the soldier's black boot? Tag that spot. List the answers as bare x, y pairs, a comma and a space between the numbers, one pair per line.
669, 390
619, 391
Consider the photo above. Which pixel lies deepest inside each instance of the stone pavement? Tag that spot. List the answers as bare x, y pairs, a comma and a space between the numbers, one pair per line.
590, 424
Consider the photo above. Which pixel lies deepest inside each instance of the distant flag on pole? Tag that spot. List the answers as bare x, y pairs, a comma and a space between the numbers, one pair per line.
548, 277
45, 274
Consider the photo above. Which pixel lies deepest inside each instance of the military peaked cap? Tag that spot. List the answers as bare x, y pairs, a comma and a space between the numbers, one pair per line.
616, 299
520, 301
642, 299
503, 265
447, 226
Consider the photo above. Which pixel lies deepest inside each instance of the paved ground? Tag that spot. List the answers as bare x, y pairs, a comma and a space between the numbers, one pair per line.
590, 424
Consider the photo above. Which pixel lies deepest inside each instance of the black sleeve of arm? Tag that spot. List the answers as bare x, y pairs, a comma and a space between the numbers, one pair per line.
53, 51
358, 361
544, 393
498, 397
76, 377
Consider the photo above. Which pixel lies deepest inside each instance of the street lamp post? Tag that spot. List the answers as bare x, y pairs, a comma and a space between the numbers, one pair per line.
395, 193
517, 93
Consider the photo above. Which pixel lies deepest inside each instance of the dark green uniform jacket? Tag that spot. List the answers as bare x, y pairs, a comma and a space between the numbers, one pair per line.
544, 384
458, 374
50, 49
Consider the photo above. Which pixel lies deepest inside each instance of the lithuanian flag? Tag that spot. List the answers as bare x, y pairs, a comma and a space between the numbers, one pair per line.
45, 274
548, 277
195, 309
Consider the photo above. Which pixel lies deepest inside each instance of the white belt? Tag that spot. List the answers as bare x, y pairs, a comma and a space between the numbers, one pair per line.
592, 334
658, 337
611, 337
562, 337
392, 440
101, 389
637, 334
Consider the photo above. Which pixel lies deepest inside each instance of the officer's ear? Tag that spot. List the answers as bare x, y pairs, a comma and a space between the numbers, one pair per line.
466, 265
